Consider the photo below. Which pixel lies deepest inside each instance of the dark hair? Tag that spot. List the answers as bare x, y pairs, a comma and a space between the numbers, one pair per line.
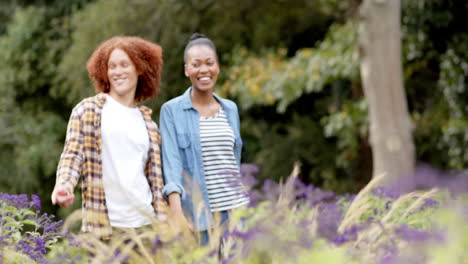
145, 55
199, 39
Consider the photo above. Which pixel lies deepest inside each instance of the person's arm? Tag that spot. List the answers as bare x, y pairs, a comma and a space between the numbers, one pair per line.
239, 151
175, 205
172, 165
68, 170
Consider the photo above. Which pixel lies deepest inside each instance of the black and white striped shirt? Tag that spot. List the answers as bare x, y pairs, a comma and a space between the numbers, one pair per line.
222, 175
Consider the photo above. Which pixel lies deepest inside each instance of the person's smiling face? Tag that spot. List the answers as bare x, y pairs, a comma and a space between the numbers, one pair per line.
122, 74
202, 67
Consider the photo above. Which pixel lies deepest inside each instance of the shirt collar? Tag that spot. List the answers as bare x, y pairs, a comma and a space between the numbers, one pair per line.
101, 100
187, 100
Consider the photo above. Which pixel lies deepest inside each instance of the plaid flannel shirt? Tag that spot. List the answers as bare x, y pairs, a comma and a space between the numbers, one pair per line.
82, 157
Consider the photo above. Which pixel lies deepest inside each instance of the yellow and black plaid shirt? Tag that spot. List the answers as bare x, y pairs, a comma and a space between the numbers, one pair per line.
82, 157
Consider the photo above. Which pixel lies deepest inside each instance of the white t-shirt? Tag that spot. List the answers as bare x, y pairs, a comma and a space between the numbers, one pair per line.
125, 145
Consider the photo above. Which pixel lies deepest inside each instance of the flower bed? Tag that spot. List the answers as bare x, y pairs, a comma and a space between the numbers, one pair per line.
286, 223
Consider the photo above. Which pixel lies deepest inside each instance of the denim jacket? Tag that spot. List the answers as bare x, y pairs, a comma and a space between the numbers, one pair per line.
182, 155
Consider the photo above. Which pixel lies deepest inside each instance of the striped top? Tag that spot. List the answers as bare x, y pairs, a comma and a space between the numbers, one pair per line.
222, 175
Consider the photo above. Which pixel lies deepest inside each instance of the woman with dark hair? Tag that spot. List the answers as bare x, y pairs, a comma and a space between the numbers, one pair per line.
113, 144
201, 145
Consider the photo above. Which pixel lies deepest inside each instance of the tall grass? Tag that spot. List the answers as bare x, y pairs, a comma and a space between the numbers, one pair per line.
288, 222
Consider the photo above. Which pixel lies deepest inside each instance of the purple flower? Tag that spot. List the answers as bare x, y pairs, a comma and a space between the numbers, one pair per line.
349, 234
248, 235
270, 190
118, 256
52, 227
226, 260
329, 218
34, 247
249, 181
387, 259
411, 234
74, 242
303, 191
386, 192
430, 203
311, 194
255, 197
157, 243
3, 239
62, 258
36, 200
427, 177
249, 169
21, 200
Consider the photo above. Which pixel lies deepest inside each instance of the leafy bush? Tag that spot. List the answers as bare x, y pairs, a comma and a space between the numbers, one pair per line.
25, 234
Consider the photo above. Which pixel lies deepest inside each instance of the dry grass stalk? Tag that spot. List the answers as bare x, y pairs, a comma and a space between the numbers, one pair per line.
420, 201
73, 219
397, 204
359, 205
287, 190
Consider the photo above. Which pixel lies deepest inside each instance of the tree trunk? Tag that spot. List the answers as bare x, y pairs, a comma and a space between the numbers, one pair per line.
381, 72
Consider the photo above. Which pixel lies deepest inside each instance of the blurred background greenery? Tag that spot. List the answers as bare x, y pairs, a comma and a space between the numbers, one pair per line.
291, 65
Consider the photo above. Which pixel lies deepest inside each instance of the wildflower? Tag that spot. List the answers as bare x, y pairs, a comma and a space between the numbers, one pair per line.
410, 234
249, 169
157, 243
329, 217
36, 201
386, 192
248, 235
349, 234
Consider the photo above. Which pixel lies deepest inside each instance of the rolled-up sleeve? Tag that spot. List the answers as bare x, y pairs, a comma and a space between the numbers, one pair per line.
171, 160
69, 167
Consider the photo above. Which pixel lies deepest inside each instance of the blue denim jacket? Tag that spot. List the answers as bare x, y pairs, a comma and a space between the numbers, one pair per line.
182, 156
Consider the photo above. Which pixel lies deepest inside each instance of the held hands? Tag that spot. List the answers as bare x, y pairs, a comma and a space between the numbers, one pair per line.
62, 196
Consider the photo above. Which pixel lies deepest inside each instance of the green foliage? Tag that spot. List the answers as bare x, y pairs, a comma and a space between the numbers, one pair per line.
34, 121
453, 81
90, 28
325, 135
455, 223
434, 56
26, 110
24, 233
279, 145
435, 70
7, 9
345, 125
170, 23
272, 78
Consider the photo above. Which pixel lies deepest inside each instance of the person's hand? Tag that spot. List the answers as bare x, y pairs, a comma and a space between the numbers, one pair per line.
182, 222
62, 196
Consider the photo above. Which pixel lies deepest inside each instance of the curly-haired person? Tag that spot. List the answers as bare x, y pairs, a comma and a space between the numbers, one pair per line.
113, 144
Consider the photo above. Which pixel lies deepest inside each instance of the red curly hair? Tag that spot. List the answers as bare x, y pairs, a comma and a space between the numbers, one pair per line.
145, 55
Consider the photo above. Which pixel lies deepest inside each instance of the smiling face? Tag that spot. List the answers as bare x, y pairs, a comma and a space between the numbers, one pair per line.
122, 74
202, 68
